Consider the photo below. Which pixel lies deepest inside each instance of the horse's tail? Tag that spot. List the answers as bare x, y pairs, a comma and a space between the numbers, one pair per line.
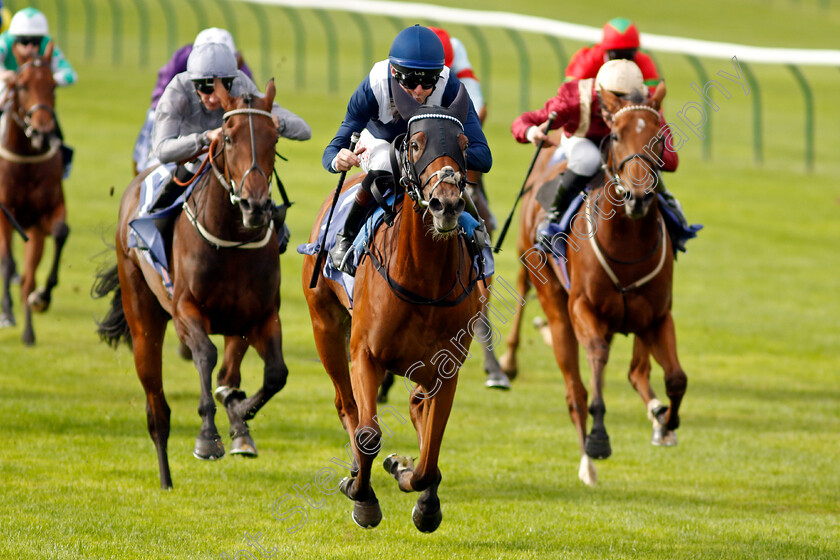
113, 328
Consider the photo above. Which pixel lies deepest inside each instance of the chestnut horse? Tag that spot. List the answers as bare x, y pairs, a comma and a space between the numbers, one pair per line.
225, 272
30, 185
412, 305
620, 272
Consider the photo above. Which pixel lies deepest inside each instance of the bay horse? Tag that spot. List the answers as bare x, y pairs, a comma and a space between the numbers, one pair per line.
30, 185
412, 306
621, 275
225, 272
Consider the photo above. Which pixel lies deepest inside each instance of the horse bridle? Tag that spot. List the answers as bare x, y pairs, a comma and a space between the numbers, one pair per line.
612, 170
226, 181
409, 177
25, 120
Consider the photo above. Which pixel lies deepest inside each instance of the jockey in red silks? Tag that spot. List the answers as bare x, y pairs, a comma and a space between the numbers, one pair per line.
579, 113
620, 41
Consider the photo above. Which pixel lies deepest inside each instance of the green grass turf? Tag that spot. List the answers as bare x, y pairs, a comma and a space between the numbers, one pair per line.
755, 474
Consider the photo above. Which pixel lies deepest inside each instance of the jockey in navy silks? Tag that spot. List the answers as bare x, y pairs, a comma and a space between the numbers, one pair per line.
416, 64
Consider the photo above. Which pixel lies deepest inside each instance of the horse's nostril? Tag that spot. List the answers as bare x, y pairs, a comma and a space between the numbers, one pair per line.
435, 205
245, 204
459, 207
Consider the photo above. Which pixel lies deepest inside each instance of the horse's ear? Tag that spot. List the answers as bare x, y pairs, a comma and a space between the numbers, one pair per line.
270, 92
655, 100
460, 107
222, 93
611, 102
406, 105
48, 52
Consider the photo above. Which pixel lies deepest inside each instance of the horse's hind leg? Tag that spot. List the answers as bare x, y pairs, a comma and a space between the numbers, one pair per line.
147, 323
508, 359
189, 324
662, 340
229, 394
39, 300
32, 252
7, 271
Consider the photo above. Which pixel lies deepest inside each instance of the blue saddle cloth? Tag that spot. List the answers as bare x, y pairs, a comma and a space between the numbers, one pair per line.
147, 231
679, 234
342, 209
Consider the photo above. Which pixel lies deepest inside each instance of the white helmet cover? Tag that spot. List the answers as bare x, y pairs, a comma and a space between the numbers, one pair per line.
620, 77
215, 35
29, 22
211, 60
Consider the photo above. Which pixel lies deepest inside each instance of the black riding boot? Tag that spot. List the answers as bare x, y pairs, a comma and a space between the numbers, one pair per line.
340, 253
570, 186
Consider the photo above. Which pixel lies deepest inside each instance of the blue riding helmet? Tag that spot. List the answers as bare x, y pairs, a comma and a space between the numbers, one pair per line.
416, 48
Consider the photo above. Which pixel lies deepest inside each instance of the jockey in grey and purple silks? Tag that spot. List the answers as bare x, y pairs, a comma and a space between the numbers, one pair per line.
415, 63
177, 64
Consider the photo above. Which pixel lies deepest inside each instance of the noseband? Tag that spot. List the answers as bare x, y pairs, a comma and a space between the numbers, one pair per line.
407, 169
226, 181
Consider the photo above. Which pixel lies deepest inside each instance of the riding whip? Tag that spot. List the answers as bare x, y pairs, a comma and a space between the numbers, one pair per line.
322, 252
14, 222
551, 117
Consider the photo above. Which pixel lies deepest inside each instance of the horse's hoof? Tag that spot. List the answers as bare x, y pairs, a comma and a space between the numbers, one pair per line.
209, 449
508, 365
663, 436
367, 515
426, 522
28, 339
38, 301
395, 464
587, 472
7, 320
243, 445
598, 446
497, 380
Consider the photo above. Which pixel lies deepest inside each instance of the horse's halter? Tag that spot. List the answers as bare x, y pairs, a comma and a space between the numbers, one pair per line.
22, 116
226, 181
410, 177
610, 168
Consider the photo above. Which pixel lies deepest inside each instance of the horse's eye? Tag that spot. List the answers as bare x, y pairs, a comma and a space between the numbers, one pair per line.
227, 139
415, 146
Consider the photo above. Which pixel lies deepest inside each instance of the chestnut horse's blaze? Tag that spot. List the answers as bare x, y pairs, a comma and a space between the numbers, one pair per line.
422, 260
30, 186
225, 271
621, 282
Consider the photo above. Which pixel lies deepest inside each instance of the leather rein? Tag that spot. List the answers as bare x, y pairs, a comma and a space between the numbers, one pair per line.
234, 193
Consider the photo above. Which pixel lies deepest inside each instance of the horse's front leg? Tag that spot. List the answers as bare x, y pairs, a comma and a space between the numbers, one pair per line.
192, 329
33, 250
662, 340
39, 300
429, 413
7, 271
229, 394
366, 376
592, 334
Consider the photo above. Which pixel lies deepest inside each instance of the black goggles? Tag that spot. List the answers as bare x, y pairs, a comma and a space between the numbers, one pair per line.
27, 40
207, 85
626, 54
411, 81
